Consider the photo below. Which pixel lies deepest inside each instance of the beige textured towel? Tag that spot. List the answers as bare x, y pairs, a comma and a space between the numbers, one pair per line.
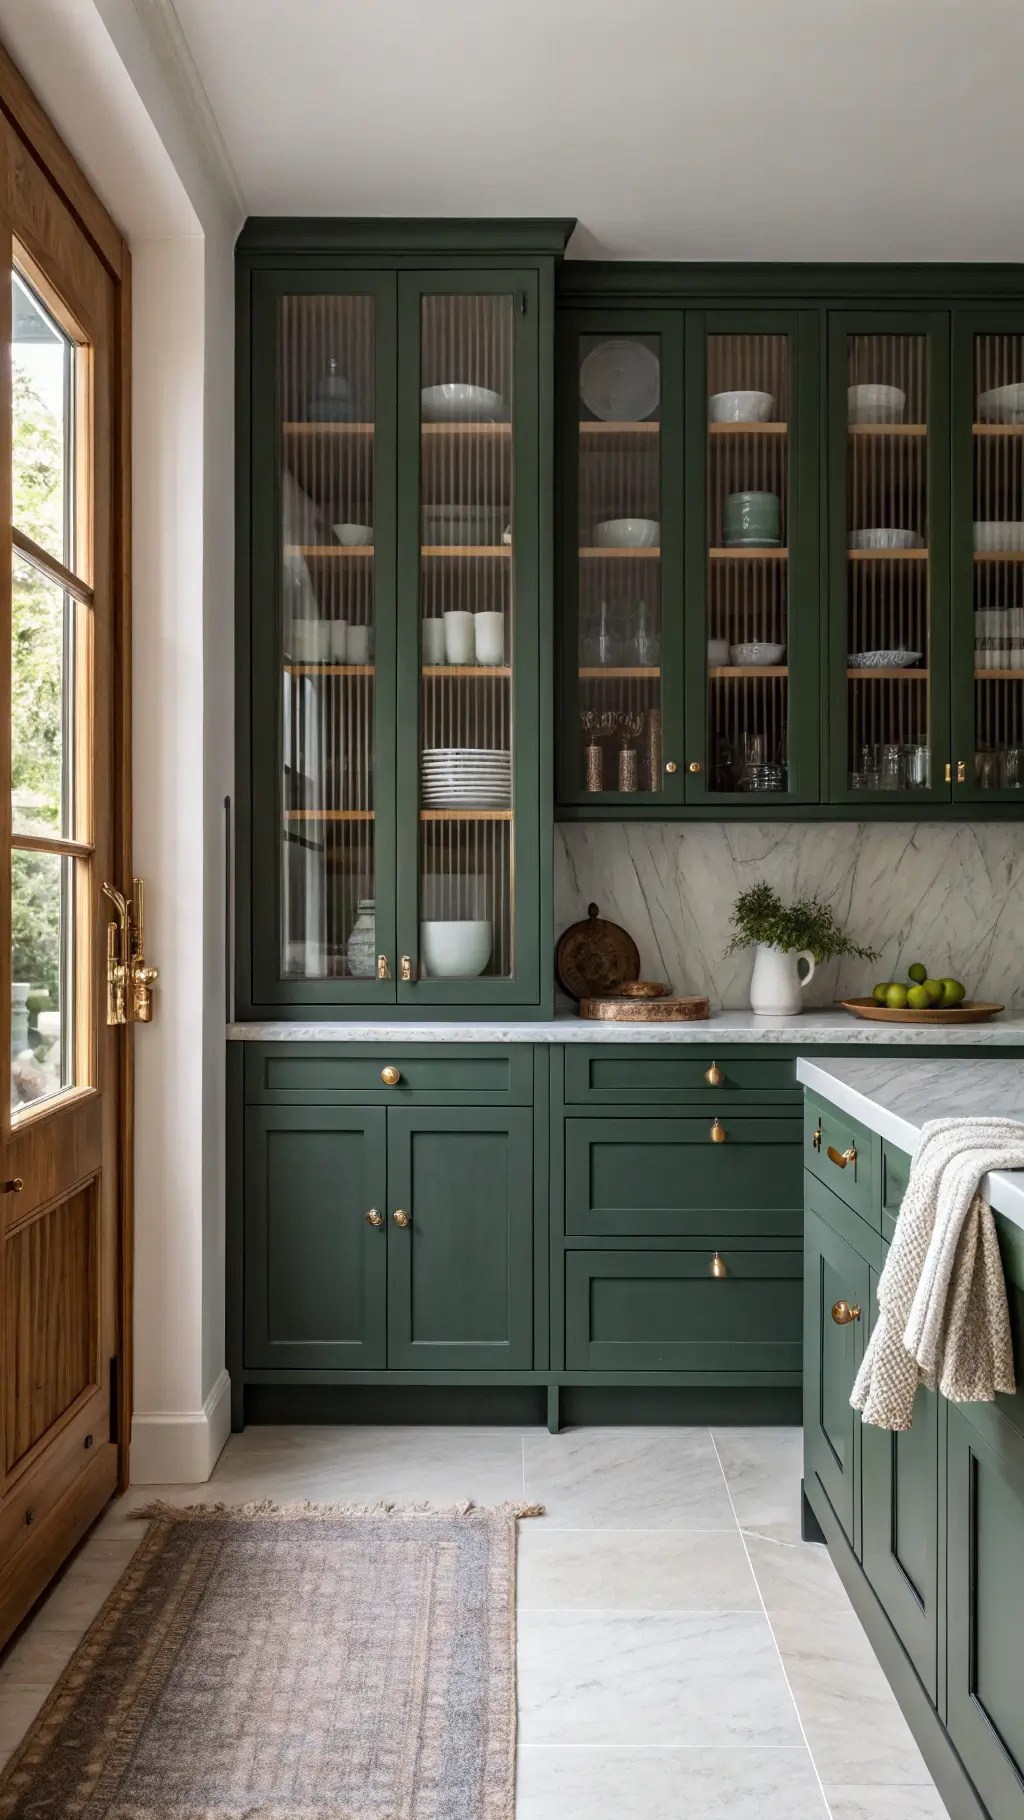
943, 1319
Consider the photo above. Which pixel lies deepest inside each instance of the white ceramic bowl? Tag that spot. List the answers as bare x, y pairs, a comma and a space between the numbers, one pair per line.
457, 403
999, 534
627, 534
875, 403
883, 660
740, 407
886, 537
1003, 404
758, 656
452, 951
353, 535
718, 650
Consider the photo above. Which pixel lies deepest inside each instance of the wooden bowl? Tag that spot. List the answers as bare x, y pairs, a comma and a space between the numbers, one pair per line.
970, 1011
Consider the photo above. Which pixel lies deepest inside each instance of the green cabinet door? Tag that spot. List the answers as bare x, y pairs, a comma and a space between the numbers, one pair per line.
985, 1604
900, 1511
834, 1274
460, 1261
315, 1266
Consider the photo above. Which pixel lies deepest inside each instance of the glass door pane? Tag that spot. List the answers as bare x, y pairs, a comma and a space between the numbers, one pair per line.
998, 550
748, 567
467, 633
889, 583
619, 656
326, 367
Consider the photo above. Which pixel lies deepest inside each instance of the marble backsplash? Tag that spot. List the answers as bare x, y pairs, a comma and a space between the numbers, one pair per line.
951, 896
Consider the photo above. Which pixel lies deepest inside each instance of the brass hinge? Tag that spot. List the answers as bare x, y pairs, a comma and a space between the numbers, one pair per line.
129, 980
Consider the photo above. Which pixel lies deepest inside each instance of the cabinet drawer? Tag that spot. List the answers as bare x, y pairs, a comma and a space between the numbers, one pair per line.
895, 1176
626, 1075
318, 1074
639, 1178
664, 1311
843, 1154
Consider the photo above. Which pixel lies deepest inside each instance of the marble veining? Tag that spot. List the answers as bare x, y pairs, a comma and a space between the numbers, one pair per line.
834, 1027
947, 894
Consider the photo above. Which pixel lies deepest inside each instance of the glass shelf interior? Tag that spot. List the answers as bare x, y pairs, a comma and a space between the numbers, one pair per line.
998, 539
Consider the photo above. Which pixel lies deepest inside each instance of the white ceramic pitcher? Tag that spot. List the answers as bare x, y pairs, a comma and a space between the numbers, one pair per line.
776, 983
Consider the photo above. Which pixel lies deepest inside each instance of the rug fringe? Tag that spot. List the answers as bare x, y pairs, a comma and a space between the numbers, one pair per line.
191, 1513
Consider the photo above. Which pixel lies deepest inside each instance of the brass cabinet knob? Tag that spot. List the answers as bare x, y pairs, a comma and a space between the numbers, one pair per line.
671, 767
816, 1139
845, 1312
15, 1185
405, 968
719, 1268
375, 1217
718, 1132
841, 1157
713, 1075
695, 767
390, 1076
400, 1217
383, 970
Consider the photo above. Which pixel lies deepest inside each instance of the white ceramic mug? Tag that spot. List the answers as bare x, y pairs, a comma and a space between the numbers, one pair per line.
489, 632
339, 640
459, 643
303, 643
432, 641
360, 644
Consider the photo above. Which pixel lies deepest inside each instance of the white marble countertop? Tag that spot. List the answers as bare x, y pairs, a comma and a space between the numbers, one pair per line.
895, 1097
810, 1028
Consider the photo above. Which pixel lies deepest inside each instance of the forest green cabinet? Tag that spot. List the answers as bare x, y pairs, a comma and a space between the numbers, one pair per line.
667, 1311
900, 1502
682, 1177
836, 1291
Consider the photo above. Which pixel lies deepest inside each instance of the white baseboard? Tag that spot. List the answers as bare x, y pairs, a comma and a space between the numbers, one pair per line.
181, 1447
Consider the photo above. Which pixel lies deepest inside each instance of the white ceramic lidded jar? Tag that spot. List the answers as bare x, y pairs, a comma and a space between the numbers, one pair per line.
361, 947
776, 982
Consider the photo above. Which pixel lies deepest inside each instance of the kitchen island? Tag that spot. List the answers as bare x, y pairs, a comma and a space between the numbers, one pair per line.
926, 1528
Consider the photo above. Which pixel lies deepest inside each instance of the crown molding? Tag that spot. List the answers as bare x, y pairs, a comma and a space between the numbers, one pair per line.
163, 29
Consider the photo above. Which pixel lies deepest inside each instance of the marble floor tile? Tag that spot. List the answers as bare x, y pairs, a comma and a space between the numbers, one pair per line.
856, 1732
795, 1576
903, 1803
609, 1678
634, 1569
751, 1784
763, 1467
406, 1465
628, 1478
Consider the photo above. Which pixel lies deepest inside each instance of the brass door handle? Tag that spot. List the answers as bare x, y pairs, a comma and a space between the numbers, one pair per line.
718, 1132
390, 1075
713, 1075
400, 1217
129, 979
845, 1312
816, 1139
841, 1157
405, 968
949, 774
375, 1217
383, 970
719, 1268
15, 1185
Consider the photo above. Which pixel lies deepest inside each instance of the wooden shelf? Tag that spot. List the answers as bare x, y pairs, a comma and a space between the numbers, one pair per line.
999, 555
998, 429
882, 675
333, 552
327, 669
888, 429
888, 555
460, 551
999, 675
329, 815
357, 431
599, 430
466, 670
740, 670
465, 815
753, 553
618, 555
748, 429
620, 672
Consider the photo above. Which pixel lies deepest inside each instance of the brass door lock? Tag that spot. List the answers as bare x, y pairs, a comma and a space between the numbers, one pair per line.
129, 980
845, 1312
841, 1157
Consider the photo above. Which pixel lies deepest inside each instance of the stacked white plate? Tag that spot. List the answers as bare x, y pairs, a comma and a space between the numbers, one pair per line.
466, 777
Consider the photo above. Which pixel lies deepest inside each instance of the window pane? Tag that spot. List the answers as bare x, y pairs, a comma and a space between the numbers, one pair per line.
42, 647
42, 370
42, 887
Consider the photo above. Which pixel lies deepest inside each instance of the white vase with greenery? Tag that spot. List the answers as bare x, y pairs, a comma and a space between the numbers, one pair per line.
784, 935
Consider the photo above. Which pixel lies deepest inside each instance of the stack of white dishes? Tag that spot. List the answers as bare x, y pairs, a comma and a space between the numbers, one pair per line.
876, 403
458, 403
740, 407
466, 777
1003, 404
995, 535
886, 537
999, 638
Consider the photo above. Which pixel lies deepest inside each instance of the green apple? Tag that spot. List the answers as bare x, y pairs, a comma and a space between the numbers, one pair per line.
918, 973
918, 999
879, 991
934, 990
896, 998
952, 993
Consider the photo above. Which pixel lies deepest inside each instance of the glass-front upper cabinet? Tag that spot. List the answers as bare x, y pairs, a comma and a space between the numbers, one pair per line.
468, 705
988, 558
751, 672
889, 554
622, 600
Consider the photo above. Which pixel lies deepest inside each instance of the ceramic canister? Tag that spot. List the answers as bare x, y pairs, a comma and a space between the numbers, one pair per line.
752, 518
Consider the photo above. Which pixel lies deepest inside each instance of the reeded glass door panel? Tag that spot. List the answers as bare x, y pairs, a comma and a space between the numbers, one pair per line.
748, 568
620, 732
467, 637
888, 565
998, 549
326, 363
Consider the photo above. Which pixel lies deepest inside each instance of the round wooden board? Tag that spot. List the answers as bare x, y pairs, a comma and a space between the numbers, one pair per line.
971, 1011
595, 957
645, 1011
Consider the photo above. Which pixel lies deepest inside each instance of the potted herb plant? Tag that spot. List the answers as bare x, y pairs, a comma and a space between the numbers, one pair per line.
784, 935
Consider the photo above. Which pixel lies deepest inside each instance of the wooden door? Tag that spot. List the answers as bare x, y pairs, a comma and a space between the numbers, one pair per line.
315, 1238
460, 1239
834, 1275
63, 831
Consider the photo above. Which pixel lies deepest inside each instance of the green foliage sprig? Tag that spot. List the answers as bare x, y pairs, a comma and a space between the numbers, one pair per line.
759, 915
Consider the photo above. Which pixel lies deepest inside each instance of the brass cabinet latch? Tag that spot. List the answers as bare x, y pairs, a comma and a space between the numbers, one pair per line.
816, 1139
845, 1312
841, 1157
129, 980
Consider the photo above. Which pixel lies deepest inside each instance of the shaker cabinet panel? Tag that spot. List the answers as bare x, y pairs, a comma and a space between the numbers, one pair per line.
668, 1178
836, 1289
667, 1311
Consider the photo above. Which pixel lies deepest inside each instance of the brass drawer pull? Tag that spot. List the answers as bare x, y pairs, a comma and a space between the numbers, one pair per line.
390, 1075
375, 1217
400, 1217
718, 1132
845, 1312
383, 970
841, 1157
713, 1075
719, 1268
816, 1139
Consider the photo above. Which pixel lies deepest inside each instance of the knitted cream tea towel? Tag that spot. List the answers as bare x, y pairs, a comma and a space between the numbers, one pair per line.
942, 1312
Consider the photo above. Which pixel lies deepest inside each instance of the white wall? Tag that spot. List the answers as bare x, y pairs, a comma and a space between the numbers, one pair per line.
118, 96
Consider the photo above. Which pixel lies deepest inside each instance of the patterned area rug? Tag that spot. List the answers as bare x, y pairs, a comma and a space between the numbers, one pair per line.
306, 1663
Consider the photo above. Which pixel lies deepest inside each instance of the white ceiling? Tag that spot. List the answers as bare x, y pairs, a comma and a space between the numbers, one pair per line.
674, 129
